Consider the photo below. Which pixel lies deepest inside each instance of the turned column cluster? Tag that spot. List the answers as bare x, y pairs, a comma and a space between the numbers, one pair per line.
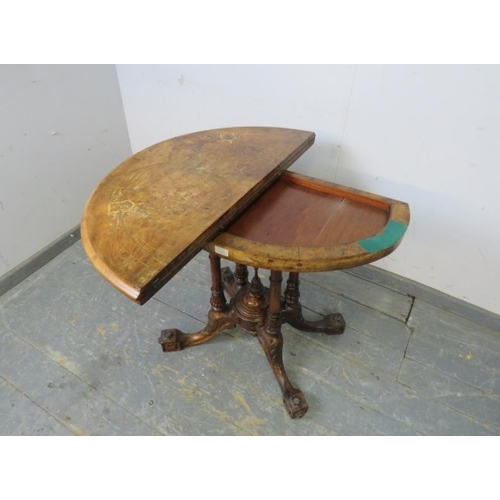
260, 311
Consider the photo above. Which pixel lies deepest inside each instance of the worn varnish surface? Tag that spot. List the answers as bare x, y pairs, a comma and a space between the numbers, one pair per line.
303, 224
153, 212
290, 214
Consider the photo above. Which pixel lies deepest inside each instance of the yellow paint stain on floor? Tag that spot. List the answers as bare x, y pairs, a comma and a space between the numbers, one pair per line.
159, 369
60, 360
242, 401
190, 393
101, 330
467, 357
247, 422
220, 414
63, 361
57, 357
250, 423
76, 430
115, 326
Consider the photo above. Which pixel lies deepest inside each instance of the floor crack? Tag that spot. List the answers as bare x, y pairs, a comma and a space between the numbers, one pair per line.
404, 353
410, 310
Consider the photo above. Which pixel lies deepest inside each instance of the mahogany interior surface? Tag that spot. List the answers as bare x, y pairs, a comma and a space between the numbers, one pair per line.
291, 214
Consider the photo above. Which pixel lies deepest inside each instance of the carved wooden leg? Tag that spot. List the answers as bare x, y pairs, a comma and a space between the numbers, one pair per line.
218, 321
271, 340
220, 317
217, 300
233, 282
292, 312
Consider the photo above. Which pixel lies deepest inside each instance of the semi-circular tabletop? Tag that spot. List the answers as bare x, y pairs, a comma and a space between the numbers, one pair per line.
225, 190
150, 215
302, 224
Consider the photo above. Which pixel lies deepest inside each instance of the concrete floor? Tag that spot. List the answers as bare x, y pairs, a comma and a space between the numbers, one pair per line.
76, 357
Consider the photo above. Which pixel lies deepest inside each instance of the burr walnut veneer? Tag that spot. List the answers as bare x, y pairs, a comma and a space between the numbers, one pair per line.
227, 191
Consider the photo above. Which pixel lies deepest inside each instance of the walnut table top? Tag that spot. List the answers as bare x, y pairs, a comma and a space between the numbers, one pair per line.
156, 210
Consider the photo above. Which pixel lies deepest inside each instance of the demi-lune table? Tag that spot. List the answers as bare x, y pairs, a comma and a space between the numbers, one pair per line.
228, 191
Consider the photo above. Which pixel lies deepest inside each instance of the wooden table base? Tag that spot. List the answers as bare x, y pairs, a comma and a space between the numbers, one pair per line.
260, 311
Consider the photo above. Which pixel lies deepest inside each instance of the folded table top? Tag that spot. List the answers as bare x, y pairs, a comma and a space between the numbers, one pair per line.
150, 215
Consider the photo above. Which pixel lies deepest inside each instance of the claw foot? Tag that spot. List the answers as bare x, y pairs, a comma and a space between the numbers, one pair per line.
334, 324
296, 404
170, 340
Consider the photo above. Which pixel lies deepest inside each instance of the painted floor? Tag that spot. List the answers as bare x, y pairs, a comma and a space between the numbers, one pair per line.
78, 358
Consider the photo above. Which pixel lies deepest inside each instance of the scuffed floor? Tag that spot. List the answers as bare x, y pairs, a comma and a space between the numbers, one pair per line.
76, 357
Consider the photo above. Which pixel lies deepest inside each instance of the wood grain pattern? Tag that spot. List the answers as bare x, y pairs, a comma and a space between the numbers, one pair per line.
291, 214
158, 208
303, 224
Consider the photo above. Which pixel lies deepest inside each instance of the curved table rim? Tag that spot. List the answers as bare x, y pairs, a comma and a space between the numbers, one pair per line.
321, 258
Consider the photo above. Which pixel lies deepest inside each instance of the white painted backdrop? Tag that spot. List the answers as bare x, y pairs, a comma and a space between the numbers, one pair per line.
429, 135
62, 128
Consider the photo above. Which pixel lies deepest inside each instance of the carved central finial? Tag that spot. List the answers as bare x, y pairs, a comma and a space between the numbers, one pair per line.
256, 287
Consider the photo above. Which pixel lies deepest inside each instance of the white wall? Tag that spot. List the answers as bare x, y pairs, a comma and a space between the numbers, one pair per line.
62, 128
428, 135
